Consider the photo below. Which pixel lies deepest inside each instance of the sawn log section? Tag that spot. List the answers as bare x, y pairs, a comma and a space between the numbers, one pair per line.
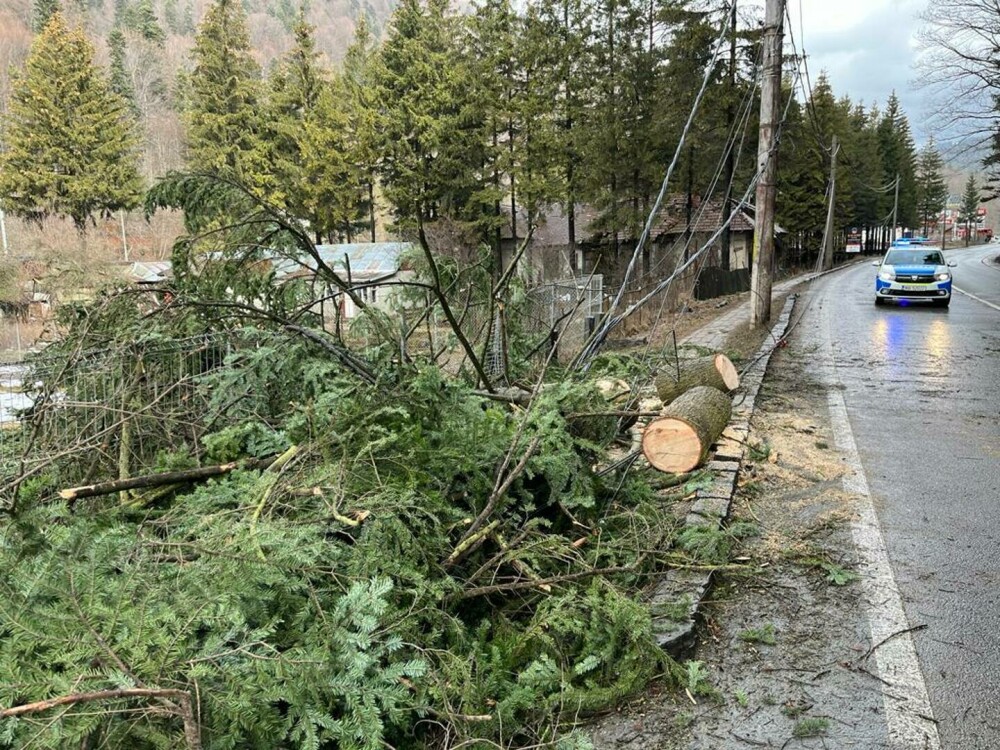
680, 438
716, 370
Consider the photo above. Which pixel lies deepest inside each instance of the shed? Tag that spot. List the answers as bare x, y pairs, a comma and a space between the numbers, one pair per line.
366, 266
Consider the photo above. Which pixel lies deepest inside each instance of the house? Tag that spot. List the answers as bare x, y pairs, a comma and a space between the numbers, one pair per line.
675, 230
372, 269
551, 255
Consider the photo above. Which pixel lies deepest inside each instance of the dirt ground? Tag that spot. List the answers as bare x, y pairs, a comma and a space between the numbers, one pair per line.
782, 655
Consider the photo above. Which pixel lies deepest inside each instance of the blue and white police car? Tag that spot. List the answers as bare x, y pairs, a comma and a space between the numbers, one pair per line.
913, 272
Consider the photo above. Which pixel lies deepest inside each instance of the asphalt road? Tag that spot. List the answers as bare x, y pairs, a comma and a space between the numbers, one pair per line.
922, 390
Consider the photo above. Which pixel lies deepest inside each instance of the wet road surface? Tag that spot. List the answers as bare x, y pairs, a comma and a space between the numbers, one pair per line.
922, 392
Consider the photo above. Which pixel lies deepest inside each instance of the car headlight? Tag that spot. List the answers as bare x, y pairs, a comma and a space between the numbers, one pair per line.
887, 274
943, 277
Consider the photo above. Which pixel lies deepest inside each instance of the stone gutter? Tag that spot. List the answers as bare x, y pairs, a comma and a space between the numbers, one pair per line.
679, 594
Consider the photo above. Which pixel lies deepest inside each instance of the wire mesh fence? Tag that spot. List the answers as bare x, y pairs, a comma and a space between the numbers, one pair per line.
568, 310
105, 410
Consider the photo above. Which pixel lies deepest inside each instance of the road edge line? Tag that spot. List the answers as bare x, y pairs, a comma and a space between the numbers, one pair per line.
909, 717
977, 299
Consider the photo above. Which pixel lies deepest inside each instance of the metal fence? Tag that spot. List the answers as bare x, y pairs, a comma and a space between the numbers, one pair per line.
568, 309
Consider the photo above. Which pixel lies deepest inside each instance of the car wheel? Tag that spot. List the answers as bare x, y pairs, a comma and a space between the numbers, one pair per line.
942, 302
879, 301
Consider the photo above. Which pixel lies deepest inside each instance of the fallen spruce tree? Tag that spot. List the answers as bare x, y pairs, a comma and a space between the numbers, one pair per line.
425, 566
227, 524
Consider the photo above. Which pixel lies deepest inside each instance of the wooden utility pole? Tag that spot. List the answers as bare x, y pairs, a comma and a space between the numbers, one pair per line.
762, 276
895, 211
727, 203
3, 232
826, 254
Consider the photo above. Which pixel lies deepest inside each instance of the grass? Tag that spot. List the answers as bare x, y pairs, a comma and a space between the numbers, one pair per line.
759, 451
811, 727
764, 635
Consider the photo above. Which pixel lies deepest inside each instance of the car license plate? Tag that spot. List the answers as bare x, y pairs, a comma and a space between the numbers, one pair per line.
913, 287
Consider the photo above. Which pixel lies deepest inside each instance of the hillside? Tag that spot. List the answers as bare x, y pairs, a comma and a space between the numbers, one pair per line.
153, 64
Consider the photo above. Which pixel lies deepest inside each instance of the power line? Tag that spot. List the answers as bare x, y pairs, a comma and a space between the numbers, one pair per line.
601, 333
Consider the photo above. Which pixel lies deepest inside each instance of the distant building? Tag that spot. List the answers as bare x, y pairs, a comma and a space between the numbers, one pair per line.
370, 268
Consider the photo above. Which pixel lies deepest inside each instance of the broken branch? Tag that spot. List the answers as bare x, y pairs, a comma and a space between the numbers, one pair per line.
158, 480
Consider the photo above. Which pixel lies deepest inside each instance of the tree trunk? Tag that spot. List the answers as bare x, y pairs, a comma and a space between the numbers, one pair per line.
679, 440
715, 370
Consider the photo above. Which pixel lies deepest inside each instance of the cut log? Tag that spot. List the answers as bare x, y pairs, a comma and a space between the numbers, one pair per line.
679, 440
716, 371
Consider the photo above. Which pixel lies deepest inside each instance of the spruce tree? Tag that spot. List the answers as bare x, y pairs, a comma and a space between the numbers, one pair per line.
872, 198
432, 154
222, 110
358, 80
899, 159
971, 199
570, 21
932, 192
140, 17
120, 82
69, 143
41, 12
317, 177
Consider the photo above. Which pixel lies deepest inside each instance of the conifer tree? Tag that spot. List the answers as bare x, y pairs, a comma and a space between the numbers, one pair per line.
932, 192
41, 12
971, 199
570, 21
431, 146
316, 176
358, 80
120, 82
69, 145
223, 98
899, 157
872, 199
140, 17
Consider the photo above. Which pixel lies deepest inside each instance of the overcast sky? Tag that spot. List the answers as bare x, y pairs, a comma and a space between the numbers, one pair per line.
867, 48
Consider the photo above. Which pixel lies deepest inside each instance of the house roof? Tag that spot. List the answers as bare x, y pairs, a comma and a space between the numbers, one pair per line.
553, 225
706, 217
366, 260
149, 272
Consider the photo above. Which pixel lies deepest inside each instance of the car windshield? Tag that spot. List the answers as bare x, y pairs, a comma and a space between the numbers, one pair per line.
914, 257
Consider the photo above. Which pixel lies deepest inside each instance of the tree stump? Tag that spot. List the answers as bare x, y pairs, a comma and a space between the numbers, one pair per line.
679, 439
716, 371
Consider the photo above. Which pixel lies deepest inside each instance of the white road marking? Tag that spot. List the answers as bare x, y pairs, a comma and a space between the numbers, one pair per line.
908, 715
977, 299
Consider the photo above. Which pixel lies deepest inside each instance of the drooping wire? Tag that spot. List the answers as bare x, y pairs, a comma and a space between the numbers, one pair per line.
601, 333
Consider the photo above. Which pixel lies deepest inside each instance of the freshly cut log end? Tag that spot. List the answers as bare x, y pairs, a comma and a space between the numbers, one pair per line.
716, 370
671, 445
679, 440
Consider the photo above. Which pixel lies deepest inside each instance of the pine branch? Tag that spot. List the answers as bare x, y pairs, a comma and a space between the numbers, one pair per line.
543, 582
498, 492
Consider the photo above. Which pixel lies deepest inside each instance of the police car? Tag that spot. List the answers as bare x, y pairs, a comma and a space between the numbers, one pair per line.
912, 271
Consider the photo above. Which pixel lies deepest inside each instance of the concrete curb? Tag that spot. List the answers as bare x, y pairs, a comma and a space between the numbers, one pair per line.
679, 594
